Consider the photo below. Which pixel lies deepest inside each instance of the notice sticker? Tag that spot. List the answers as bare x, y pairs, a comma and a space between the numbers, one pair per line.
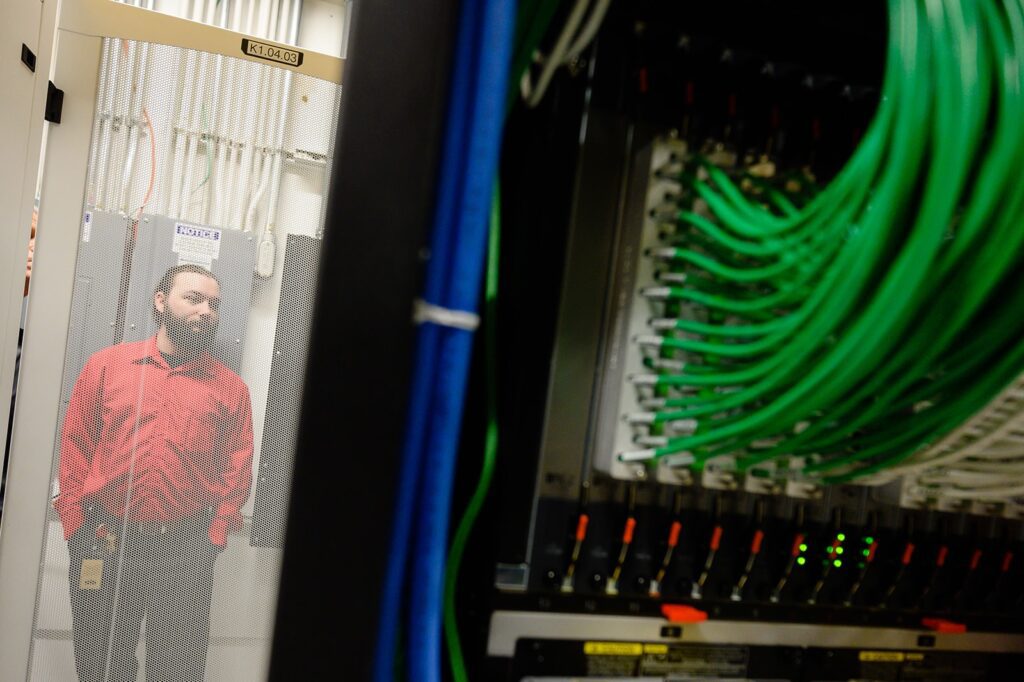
194, 244
87, 226
194, 259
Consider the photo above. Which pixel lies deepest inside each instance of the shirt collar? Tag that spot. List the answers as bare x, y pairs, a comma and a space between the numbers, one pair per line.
149, 354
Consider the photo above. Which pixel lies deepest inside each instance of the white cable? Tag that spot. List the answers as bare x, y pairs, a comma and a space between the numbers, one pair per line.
291, 36
589, 30
554, 60
987, 493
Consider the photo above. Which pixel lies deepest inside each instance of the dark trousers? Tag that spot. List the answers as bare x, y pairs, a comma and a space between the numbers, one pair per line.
164, 574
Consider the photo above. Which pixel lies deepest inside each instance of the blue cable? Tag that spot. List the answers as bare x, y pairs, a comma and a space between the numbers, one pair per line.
428, 337
434, 501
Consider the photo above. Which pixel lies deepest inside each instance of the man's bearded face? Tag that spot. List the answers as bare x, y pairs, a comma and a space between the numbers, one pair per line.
191, 313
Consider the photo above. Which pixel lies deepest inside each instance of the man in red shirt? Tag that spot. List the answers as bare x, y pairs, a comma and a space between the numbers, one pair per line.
156, 461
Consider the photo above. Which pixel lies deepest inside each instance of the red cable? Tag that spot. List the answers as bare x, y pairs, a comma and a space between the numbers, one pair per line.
975, 559
152, 163
908, 553
1007, 560
940, 560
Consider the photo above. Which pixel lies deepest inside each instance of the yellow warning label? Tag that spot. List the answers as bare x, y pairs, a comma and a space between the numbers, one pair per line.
655, 648
882, 656
613, 648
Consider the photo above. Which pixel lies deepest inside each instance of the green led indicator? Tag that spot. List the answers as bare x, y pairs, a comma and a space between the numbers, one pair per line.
839, 550
860, 565
866, 552
837, 563
801, 561
868, 540
831, 549
841, 537
803, 547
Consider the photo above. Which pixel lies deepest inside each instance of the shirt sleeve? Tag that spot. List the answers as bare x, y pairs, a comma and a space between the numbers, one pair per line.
83, 424
237, 475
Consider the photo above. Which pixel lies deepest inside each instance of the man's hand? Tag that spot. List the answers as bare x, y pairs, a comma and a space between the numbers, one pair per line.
219, 533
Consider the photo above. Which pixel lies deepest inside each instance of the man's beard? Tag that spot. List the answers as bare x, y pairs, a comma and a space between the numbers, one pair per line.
189, 342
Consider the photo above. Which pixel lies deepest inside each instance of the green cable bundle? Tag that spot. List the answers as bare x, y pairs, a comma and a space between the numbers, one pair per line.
842, 336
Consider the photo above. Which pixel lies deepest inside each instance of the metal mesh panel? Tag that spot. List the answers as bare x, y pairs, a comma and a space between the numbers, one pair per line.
183, 360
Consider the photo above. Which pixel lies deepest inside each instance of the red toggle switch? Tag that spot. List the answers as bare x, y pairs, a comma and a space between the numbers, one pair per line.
943, 625
680, 613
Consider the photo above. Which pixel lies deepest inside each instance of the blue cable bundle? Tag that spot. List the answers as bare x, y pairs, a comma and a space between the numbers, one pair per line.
467, 176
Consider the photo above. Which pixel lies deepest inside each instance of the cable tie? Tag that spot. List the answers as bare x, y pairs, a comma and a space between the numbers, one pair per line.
444, 317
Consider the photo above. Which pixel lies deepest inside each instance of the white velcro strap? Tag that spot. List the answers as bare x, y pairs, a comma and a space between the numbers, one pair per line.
459, 319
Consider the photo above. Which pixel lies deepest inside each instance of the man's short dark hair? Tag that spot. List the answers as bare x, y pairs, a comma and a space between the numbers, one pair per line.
166, 282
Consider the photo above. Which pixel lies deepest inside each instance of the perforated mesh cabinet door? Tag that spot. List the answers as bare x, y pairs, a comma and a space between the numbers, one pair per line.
183, 368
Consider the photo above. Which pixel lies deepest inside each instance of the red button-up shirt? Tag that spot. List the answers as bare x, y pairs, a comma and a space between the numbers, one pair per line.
154, 443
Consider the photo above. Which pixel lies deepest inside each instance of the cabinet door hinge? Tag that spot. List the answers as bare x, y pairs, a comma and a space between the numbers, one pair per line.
54, 103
